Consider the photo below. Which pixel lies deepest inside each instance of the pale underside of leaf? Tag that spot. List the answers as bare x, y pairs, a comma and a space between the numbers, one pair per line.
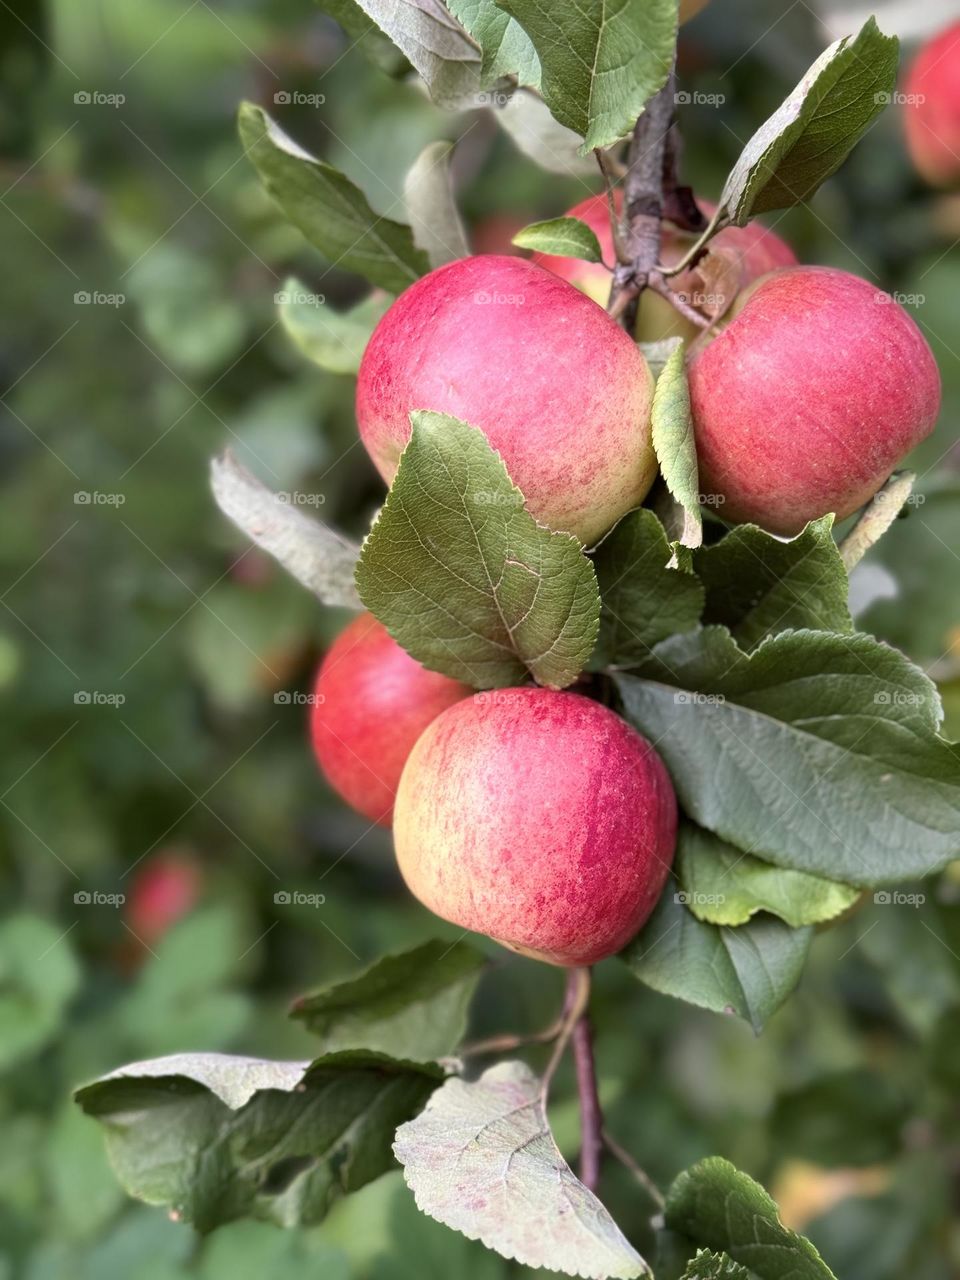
675, 447
333, 340
313, 553
481, 1159
431, 207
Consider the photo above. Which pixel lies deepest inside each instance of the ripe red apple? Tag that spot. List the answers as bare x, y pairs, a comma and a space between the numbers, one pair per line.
754, 248
540, 819
932, 109
557, 387
371, 703
808, 398
164, 889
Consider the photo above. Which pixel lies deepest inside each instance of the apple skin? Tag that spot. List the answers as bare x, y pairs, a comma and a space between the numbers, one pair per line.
540, 819
931, 116
372, 702
808, 398
559, 390
164, 889
758, 249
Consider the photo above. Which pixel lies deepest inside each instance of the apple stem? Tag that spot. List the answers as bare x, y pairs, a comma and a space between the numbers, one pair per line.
591, 1117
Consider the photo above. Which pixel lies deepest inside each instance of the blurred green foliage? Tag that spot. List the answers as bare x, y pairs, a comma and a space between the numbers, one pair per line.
846, 1106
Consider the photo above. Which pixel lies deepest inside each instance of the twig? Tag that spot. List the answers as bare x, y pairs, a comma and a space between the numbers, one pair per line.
626, 1159
506, 1043
591, 1117
574, 1006
659, 285
642, 205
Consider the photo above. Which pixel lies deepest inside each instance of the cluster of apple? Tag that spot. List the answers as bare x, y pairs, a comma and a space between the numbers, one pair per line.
536, 817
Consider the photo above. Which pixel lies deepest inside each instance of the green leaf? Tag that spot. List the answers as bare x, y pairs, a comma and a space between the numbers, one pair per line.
600, 64
748, 971
38, 978
566, 237
310, 551
526, 118
431, 208
714, 1266
758, 585
814, 130
481, 1159
716, 1205
216, 1137
817, 752
674, 445
852, 1117
505, 47
913, 942
644, 601
334, 340
328, 209
464, 578
724, 885
430, 37
877, 517
410, 1005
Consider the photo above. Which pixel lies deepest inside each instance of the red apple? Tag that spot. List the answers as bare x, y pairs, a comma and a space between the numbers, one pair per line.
932, 109
540, 819
371, 703
164, 889
808, 398
557, 387
753, 248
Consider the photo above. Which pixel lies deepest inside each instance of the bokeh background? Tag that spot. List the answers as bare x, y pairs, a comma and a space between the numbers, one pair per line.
152, 665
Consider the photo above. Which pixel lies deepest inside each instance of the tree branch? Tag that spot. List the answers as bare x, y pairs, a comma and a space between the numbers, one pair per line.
642, 205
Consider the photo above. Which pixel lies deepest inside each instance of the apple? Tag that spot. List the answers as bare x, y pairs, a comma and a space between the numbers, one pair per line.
753, 249
371, 701
560, 391
538, 818
164, 889
808, 397
690, 8
932, 109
